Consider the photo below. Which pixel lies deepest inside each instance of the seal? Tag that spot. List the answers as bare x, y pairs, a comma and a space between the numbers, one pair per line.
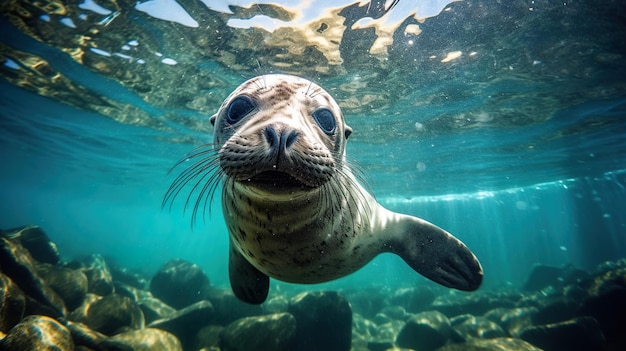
294, 208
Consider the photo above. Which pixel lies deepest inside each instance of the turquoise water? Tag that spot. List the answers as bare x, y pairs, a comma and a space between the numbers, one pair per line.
519, 149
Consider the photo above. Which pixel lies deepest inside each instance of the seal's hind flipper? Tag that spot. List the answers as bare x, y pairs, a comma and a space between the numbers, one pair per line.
247, 282
435, 254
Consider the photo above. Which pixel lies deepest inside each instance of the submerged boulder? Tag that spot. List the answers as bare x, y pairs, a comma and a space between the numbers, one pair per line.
179, 283
18, 264
154, 309
35, 333
85, 337
12, 304
229, 308
324, 321
145, 339
269, 332
109, 314
455, 303
129, 277
70, 284
606, 302
414, 299
186, 322
477, 327
508, 344
208, 338
577, 334
512, 320
98, 275
35, 240
425, 331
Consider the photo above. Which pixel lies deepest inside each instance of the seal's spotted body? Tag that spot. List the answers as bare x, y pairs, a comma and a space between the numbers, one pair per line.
293, 207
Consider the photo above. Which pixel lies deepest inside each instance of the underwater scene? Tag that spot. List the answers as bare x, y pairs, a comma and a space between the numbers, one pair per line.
312, 175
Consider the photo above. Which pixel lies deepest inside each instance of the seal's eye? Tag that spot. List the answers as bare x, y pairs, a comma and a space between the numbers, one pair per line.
239, 108
326, 120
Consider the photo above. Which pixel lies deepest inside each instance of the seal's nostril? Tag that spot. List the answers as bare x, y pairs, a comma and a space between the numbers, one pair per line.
272, 138
290, 138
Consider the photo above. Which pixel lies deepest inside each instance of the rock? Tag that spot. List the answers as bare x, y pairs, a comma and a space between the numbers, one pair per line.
275, 304
367, 301
381, 318
324, 321
147, 339
229, 308
180, 283
455, 303
69, 284
98, 275
269, 332
33, 239
388, 332
394, 312
425, 331
577, 334
185, 323
543, 276
507, 344
17, 264
208, 337
109, 314
477, 327
128, 277
414, 299
154, 309
606, 302
38, 333
379, 346
85, 337
558, 310
512, 320
130, 291
363, 331
369, 335
12, 304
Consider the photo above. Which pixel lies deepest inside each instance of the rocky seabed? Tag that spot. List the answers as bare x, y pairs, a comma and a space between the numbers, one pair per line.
91, 304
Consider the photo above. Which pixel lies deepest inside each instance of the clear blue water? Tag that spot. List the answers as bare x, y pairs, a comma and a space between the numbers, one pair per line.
525, 161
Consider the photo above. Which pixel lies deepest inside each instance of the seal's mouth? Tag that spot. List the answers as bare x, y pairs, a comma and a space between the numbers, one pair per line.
269, 180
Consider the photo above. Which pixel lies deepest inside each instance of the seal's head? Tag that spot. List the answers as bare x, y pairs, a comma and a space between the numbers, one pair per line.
280, 132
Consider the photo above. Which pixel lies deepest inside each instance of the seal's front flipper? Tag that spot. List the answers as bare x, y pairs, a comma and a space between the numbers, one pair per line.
247, 282
435, 253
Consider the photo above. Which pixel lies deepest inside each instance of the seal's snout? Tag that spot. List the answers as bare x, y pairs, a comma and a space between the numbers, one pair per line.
279, 140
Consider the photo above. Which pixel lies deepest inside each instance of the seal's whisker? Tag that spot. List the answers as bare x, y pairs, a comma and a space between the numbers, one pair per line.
206, 166
360, 175
199, 197
203, 173
206, 194
214, 180
345, 195
258, 85
190, 171
358, 198
195, 152
187, 175
308, 89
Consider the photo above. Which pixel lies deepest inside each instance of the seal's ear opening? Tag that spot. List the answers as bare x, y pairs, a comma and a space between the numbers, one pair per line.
347, 131
212, 119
